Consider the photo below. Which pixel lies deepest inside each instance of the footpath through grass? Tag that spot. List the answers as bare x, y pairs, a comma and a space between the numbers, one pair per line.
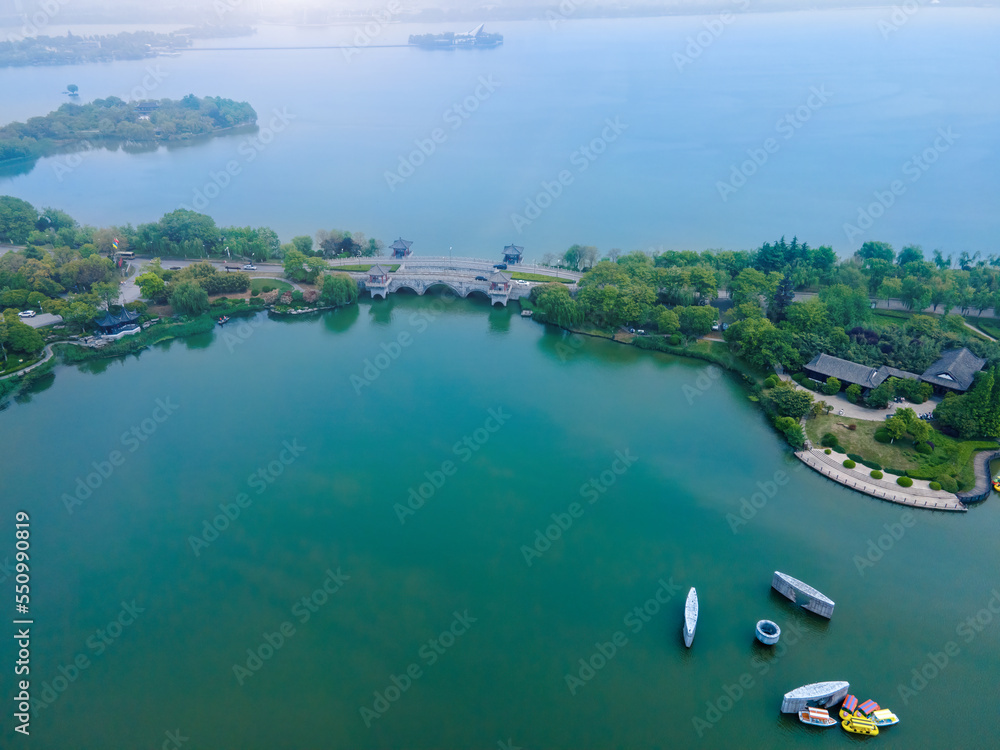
950, 457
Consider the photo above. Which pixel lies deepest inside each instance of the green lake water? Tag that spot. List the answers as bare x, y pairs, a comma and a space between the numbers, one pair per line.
570, 408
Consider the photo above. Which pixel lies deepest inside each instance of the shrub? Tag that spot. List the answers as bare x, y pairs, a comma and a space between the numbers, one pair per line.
849, 464
935, 486
852, 427
876, 474
856, 457
831, 387
873, 465
675, 339
883, 436
839, 448
827, 451
799, 378
771, 381
266, 289
829, 440
904, 482
948, 484
895, 472
853, 393
254, 292
924, 449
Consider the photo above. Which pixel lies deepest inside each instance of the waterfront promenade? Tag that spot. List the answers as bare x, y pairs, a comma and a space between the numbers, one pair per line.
920, 495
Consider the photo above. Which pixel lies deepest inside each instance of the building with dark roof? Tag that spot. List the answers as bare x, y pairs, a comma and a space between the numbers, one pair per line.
955, 371
401, 248
114, 324
824, 366
378, 280
513, 254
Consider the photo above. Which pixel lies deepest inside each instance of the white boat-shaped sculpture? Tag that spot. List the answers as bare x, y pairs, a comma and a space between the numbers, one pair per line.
803, 594
821, 694
817, 717
690, 617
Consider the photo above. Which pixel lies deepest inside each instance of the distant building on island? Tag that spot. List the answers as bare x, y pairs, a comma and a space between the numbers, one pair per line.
145, 108
954, 371
401, 248
513, 254
450, 40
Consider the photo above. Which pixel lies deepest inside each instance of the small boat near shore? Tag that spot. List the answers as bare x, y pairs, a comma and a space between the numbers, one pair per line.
860, 725
884, 718
223, 320
817, 717
690, 617
996, 482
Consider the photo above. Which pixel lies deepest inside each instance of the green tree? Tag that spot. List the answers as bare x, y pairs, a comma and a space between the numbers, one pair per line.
303, 244
556, 305
890, 289
696, 320
853, 393
831, 387
188, 298
877, 251
108, 293
299, 267
896, 427
73, 88
787, 400
17, 220
667, 321
339, 290
152, 287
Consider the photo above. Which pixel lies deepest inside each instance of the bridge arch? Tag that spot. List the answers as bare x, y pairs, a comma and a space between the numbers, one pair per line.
457, 291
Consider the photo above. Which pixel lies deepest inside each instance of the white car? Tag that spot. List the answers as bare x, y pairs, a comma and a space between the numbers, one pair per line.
521, 282
26, 314
249, 267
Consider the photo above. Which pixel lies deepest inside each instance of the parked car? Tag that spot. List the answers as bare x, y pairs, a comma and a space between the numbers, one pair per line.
249, 267
640, 331
480, 278
522, 282
26, 314
716, 327
174, 268
501, 266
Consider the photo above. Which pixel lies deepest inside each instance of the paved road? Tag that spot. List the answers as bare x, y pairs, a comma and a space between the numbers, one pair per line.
895, 304
42, 319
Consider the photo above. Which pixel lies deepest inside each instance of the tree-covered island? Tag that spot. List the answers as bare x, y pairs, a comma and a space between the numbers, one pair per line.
73, 49
80, 126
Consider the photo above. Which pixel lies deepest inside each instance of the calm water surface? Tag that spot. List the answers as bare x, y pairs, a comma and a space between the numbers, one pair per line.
353, 118
569, 407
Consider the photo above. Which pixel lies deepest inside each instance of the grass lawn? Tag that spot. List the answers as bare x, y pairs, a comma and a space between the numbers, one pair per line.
362, 267
281, 286
950, 456
891, 317
537, 277
17, 362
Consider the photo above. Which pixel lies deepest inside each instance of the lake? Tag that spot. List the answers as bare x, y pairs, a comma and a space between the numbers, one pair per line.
728, 133
355, 498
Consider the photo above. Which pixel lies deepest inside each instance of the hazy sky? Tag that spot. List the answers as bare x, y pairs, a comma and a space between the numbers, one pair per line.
13, 12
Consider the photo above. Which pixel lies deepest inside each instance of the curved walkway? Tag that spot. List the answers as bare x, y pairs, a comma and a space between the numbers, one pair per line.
920, 495
984, 485
39, 363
